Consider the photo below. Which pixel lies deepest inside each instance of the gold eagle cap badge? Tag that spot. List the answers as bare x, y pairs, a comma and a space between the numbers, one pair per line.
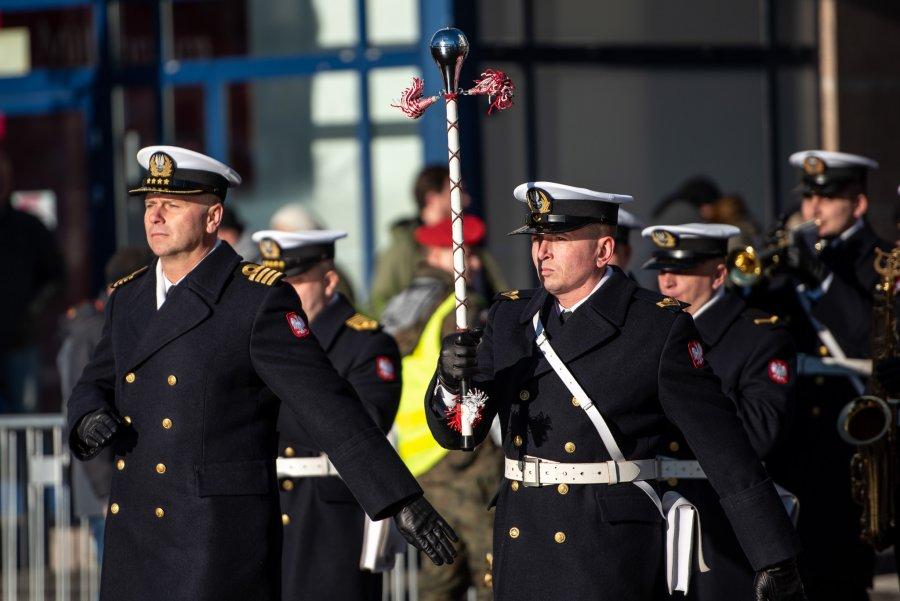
664, 239
539, 201
161, 165
813, 165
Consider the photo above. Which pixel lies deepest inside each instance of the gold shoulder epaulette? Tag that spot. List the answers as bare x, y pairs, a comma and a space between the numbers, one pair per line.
261, 275
771, 320
360, 322
129, 277
510, 295
668, 302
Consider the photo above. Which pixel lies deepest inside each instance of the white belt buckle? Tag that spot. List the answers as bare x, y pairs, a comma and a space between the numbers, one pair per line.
536, 461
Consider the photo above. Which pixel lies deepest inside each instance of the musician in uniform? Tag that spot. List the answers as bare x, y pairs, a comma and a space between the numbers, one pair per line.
822, 289
753, 356
587, 374
198, 351
323, 523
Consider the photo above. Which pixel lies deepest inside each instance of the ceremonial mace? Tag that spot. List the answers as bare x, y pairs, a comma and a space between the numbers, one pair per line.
449, 48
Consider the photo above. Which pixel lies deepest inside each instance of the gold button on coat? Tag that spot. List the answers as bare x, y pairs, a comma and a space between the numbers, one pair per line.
167, 423
569, 447
816, 411
159, 512
563, 489
172, 380
672, 481
289, 451
127, 419
560, 537
823, 350
513, 532
576, 402
674, 446
160, 468
285, 519
514, 485
130, 377
288, 485
120, 464
524, 395
114, 508
517, 441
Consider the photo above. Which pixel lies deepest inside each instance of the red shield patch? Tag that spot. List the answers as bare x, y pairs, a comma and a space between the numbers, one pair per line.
695, 351
385, 369
779, 371
298, 325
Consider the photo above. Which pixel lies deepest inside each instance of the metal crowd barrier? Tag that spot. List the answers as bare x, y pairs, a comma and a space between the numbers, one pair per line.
43, 555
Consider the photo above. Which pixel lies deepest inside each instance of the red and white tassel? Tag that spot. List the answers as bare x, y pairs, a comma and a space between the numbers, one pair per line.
498, 87
412, 103
474, 402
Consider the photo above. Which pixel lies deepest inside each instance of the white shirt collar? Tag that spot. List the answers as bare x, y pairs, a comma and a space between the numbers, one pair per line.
602, 281
712, 301
163, 284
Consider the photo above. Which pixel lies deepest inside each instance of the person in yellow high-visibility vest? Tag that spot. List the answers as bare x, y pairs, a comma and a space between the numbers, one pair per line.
460, 484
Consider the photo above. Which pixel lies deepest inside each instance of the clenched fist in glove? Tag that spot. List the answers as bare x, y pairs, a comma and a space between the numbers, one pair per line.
97, 429
780, 582
426, 530
459, 358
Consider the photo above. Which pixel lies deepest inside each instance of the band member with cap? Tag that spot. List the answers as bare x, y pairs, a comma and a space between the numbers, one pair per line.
587, 373
753, 356
198, 351
623, 251
461, 484
823, 290
323, 523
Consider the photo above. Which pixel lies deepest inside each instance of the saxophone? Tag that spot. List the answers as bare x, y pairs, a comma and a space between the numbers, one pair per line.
870, 421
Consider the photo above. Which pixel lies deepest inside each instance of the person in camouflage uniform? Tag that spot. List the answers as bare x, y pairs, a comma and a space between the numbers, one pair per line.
460, 484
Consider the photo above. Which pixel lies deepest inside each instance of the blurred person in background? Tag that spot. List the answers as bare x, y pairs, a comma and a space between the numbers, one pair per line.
293, 217
823, 289
623, 250
82, 328
396, 266
460, 484
732, 210
691, 202
323, 523
233, 232
36, 269
755, 360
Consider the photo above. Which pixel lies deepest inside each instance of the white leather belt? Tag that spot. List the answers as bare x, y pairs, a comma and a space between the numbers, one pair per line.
534, 471
304, 467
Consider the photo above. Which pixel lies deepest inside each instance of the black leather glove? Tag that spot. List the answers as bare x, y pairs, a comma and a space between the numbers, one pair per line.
426, 530
887, 372
97, 429
801, 261
458, 358
780, 582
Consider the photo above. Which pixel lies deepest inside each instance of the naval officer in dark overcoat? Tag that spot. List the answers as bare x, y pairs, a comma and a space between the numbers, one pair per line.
753, 356
571, 522
323, 523
197, 353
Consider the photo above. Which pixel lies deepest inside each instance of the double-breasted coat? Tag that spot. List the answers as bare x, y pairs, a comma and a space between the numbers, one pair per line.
754, 357
194, 510
323, 523
631, 351
812, 461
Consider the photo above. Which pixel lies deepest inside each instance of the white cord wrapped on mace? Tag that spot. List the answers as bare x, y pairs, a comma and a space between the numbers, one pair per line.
449, 48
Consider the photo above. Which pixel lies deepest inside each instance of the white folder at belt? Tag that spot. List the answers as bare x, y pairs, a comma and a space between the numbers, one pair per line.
677, 511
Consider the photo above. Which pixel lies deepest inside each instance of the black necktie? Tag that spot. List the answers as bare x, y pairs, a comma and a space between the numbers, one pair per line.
564, 315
